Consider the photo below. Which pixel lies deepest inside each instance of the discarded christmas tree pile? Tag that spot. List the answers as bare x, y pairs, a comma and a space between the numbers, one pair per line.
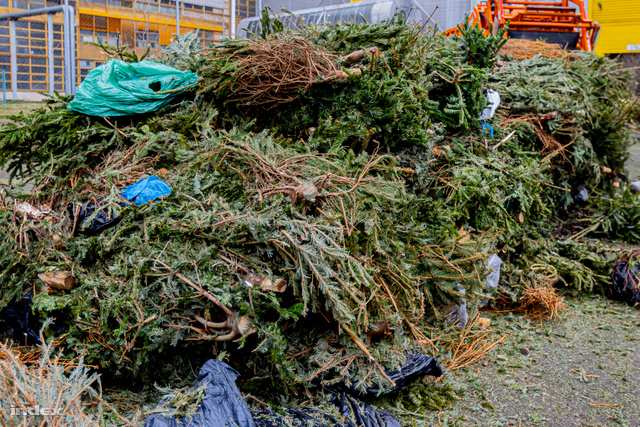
332, 192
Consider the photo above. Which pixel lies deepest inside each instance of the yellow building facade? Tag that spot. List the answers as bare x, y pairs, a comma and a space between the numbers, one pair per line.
135, 23
620, 25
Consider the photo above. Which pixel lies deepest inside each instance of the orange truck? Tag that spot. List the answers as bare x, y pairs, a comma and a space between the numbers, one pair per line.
563, 22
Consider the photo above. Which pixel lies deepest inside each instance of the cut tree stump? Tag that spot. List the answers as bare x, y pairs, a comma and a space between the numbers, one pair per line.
58, 279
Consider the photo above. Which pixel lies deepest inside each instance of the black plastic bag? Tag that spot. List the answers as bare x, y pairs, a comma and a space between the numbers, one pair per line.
222, 406
360, 414
290, 417
356, 412
21, 325
98, 224
416, 366
624, 285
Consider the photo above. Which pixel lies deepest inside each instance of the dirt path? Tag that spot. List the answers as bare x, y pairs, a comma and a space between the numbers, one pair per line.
583, 371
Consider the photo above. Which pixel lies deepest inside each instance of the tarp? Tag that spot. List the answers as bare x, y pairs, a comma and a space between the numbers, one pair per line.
118, 88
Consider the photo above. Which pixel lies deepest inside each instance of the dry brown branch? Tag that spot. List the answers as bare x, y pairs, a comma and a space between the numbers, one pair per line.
470, 346
359, 343
550, 146
539, 302
359, 55
272, 71
234, 327
58, 279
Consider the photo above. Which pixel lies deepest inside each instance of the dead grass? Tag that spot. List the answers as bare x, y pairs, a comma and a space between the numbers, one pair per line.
12, 108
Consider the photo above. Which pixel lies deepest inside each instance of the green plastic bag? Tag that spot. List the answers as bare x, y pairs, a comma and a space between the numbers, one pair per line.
118, 88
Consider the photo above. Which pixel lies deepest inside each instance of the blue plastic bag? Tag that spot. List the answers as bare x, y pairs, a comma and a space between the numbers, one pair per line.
146, 190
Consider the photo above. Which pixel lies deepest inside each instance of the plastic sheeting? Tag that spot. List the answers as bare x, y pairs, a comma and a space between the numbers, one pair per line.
356, 412
493, 278
457, 314
493, 263
493, 97
582, 195
144, 191
118, 88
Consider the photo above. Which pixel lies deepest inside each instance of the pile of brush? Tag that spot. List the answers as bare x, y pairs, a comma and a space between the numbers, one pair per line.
333, 195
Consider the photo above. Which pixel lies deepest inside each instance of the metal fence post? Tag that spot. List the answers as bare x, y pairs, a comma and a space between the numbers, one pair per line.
232, 30
4, 87
14, 60
178, 17
66, 51
50, 52
72, 40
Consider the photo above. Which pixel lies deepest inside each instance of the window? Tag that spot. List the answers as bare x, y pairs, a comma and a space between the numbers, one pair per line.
84, 67
121, 3
114, 39
86, 35
96, 28
192, 10
100, 22
207, 37
168, 6
245, 8
147, 38
101, 37
36, 4
147, 5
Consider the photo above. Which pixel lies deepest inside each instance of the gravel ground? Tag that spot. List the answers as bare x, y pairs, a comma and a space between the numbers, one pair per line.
634, 163
581, 371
